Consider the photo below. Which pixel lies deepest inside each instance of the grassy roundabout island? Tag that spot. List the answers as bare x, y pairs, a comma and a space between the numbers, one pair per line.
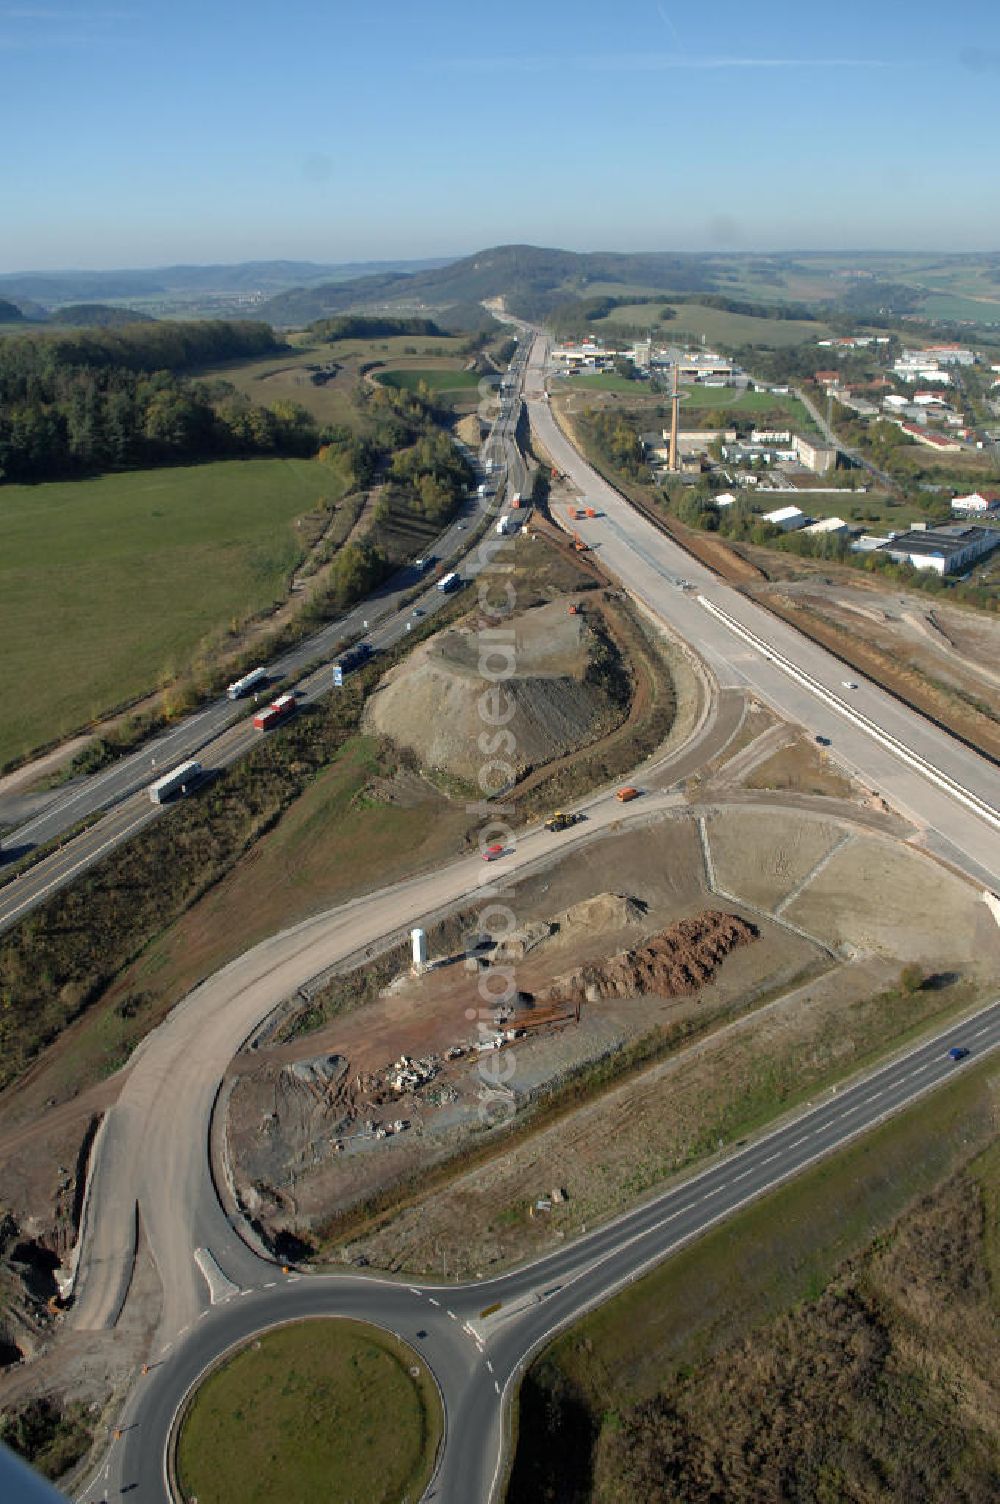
324, 1408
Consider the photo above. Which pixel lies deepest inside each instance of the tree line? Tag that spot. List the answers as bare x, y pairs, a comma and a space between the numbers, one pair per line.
99, 399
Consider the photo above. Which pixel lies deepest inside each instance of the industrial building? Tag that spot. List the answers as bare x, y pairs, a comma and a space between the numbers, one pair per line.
929, 440
814, 454
945, 549
977, 504
835, 526
786, 518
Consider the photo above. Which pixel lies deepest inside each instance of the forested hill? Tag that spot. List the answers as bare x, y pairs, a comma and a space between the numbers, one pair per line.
99, 316
531, 278
95, 399
167, 346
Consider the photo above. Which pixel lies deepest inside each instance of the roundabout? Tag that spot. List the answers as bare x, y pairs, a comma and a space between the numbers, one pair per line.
321, 1406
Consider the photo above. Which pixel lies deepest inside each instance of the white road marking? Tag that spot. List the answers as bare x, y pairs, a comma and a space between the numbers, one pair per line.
496, 1386
452, 1315
433, 1301
983, 1030
489, 1365
413, 1291
270, 1284
744, 1174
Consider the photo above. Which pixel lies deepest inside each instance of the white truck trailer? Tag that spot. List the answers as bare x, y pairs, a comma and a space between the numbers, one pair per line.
180, 781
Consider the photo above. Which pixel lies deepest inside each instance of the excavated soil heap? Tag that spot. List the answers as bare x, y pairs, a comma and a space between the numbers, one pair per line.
433, 702
674, 963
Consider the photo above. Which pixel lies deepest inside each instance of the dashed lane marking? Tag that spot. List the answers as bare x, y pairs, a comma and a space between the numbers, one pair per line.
433, 1301
452, 1315
489, 1365
413, 1291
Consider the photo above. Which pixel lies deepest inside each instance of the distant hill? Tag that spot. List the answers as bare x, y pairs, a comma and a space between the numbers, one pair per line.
98, 315
241, 277
532, 279
10, 313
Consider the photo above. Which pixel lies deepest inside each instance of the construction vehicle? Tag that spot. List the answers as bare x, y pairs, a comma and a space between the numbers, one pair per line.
560, 821
579, 544
590, 511
626, 794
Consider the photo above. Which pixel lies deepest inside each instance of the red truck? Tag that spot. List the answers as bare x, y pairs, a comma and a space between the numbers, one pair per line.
279, 711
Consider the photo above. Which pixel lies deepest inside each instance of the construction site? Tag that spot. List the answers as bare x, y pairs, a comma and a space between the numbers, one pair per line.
751, 942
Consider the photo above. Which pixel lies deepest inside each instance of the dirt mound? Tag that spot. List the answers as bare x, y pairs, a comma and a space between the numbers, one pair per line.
674, 963
470, 430
559, 674
605, 911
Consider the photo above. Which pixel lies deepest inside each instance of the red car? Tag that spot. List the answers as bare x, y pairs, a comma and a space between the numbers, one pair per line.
492, 852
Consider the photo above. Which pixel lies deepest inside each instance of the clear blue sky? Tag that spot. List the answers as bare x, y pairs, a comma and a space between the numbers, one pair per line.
141, 132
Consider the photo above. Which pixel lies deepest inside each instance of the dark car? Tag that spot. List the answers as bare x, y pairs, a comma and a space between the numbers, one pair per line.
957, 1052
824, 741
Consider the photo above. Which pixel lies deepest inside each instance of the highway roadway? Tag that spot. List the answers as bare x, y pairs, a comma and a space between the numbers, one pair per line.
746, 646
113, 805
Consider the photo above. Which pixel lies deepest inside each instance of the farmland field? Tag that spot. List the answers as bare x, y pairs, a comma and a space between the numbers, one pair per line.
718, 326
109, 586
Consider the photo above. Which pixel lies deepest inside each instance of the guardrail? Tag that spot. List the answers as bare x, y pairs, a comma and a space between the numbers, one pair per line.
865, 723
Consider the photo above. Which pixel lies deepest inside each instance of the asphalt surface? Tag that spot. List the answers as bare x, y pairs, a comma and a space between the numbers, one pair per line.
477, 1360
116, 801
891, 750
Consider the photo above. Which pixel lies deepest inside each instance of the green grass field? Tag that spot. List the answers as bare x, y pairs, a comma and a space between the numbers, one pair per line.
602, 382
321, 1409
108, 586
717, 326
872, 509
952, 305
436, 379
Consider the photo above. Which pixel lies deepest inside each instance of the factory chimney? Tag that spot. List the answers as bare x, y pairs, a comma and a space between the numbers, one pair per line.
674, 419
